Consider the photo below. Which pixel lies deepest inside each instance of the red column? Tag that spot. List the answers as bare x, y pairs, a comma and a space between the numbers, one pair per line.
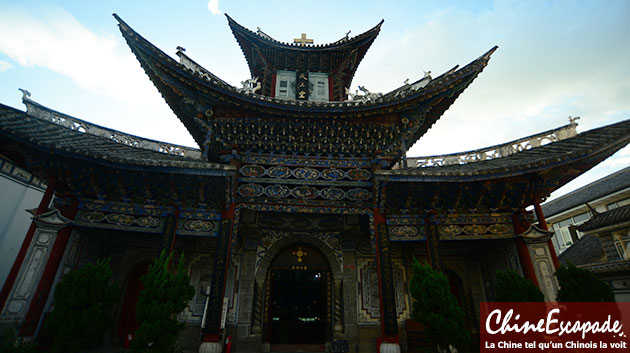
273, 86
542, 223
379, 219
215, 335
526, 261
379, 224
523, 251
17, 264
48, 276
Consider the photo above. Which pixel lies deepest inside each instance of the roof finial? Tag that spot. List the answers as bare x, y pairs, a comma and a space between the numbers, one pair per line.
25, 93
302, 40
572, 120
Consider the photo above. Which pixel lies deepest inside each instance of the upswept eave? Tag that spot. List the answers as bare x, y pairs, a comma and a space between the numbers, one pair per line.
400, 99
52, 132
194, 94
350, 42
582, 151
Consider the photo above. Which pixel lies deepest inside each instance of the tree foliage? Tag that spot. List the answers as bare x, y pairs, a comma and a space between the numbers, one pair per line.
165, 294
437, 309
82, 309
11, 343
581, 285
510, 286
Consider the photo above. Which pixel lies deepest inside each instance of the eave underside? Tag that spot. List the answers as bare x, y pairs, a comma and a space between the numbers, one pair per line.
512, 182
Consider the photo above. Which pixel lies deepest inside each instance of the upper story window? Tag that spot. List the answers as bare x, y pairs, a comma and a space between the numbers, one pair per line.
285, 84
622, 243
565, 232
319, 83
317, 86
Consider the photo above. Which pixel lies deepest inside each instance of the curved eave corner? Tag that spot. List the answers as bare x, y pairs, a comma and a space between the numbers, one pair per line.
251, 36
565, 160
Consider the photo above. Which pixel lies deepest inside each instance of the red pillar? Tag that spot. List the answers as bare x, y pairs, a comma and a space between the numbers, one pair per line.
48, 276
526, 261
214, 334
542, 224
392, 327
521, 226
19, 260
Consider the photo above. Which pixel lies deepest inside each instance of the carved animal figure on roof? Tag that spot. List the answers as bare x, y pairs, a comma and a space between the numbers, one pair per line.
250, 85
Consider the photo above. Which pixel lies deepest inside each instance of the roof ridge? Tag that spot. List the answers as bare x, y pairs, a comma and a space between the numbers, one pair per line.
232, 22
589, 185
52, 116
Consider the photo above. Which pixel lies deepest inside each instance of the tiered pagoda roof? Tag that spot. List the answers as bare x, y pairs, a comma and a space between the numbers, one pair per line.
341, 58
223, 119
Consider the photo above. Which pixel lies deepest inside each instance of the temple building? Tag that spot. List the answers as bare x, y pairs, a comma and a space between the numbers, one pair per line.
299, 214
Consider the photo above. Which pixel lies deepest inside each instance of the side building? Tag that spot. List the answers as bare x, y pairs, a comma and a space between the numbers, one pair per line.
592, 229
566, 212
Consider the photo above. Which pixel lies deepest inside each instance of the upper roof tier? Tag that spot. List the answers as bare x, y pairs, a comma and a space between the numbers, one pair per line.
218, 115
339, 60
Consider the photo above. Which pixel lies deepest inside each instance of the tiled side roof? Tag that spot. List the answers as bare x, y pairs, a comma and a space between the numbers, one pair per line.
586, 250
52, 136
606, 139
609, 267
599, 188
608, 218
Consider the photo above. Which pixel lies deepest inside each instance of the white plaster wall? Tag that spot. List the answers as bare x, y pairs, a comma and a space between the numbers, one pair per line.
15, 199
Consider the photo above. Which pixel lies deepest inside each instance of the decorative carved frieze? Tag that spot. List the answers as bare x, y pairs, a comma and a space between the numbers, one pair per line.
498, 151
406, 228
367, 277
82, 126
278, 191
473, 226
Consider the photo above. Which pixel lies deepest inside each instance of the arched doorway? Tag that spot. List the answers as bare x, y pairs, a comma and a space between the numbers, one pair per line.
299, 287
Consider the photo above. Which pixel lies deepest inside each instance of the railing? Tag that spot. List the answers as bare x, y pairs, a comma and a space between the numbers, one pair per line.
493, 152
36, 110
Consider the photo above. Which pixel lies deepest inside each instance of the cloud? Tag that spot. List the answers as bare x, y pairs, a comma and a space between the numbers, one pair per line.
98, 63
547, 67
60, 43
213, 6
4, 66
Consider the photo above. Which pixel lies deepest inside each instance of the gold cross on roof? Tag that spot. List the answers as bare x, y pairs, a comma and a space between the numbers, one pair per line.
302, 40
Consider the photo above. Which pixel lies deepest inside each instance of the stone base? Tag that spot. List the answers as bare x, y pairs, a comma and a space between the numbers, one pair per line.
390, 348
210, 347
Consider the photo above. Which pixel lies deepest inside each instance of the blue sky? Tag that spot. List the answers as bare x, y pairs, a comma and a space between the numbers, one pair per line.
555, 59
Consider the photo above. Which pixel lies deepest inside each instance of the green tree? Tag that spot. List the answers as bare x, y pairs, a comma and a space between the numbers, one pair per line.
165, 294
11, 343
437, 309
580, 285
82, 309
510, 286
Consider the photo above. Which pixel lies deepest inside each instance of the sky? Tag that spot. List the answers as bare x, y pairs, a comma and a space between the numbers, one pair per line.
555, 59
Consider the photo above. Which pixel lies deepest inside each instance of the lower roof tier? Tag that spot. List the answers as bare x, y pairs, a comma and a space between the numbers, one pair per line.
98, 163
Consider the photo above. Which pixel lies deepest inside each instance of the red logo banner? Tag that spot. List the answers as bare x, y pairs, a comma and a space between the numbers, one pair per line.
557, 327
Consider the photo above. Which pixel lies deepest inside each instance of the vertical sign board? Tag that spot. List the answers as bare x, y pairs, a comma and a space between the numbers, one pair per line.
302, 85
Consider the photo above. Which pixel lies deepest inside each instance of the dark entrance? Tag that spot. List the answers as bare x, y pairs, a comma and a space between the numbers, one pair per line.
299, 296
